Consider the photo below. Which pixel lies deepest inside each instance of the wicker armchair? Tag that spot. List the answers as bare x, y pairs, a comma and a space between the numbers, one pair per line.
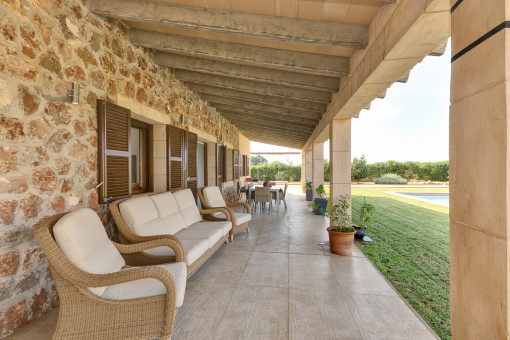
211, 198
85, 315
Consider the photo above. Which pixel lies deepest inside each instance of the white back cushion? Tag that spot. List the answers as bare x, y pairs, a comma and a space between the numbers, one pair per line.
83, 240
187, 206
168, 211
213, 197
141, 216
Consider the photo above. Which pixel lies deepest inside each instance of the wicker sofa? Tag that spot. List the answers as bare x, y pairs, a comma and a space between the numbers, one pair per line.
176, 216
211, 198
101, 296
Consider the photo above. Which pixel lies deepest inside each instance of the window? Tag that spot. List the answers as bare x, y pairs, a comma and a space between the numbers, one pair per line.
139, 157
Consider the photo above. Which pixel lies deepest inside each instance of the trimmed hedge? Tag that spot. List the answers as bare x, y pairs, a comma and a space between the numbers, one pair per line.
427, 171
390, 179
276, 171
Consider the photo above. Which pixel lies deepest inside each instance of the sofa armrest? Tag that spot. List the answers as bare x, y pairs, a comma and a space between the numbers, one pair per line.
216, 210
240, 204
153, 242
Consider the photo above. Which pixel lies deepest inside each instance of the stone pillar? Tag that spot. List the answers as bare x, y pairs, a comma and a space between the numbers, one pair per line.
479, 171
303, 167
308, 166
339, 159
317, 166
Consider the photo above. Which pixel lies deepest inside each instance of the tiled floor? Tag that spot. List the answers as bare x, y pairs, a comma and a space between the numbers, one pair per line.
277, 282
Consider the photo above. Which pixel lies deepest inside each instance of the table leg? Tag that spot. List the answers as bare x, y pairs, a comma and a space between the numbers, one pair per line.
278, 200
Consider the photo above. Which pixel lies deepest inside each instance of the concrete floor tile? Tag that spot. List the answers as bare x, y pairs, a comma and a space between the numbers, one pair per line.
256, 313
386, 317
311, 272
243, 241
266, 269
194, 318
357, 275
306, 244
272, 243
312, 314
225, 266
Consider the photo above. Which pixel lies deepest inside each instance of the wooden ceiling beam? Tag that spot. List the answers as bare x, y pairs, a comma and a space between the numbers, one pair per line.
258, 98
319, 64
259, 113
284, 126
252, 86
253, 117
276, 110
241, 24
264, 75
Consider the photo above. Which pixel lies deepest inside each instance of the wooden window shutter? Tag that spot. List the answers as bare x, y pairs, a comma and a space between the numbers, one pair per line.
176, 153
225, 159
247, 165
241, 165
235, 163
219, 165
191, 160
114, 138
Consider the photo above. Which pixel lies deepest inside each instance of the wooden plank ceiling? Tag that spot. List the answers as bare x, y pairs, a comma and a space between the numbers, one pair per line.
269, 66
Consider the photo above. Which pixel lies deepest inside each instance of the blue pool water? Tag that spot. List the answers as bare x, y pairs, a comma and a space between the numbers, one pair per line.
439, 198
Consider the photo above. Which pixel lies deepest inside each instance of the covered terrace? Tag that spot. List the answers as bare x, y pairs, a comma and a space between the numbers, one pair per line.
223, 73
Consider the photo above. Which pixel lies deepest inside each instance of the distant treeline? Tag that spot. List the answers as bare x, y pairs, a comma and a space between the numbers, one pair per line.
360, 170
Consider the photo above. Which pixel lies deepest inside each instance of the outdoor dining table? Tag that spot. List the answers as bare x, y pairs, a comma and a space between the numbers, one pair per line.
274, 188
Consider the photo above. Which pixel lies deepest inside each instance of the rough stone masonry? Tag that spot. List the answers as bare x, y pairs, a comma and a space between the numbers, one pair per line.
48, 147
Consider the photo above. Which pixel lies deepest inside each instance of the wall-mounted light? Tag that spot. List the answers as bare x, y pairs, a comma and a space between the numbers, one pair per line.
74, 93
181, 119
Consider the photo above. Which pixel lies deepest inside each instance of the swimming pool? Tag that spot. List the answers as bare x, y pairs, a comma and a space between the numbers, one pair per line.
439, 198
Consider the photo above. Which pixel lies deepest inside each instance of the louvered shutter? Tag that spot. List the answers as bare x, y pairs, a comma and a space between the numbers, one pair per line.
225, 164
235, 163
241, 164
114, 156
175, 146
247, 167
219, 165
191, 160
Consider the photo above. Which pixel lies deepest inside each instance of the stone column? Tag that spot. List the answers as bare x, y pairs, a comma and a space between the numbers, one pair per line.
308, 166
317, 166
303, 167
339, 159
479, 170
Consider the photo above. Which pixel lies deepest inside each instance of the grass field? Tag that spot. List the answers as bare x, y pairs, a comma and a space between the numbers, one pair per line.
411, 250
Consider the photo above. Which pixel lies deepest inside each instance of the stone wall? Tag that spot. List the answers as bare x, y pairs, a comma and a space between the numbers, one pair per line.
48, 147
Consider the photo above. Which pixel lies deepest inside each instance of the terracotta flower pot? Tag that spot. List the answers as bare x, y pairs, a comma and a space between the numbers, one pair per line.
340, 243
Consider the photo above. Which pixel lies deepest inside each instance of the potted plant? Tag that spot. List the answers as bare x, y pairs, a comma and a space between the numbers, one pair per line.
341, 232
365, 219
309, 193
303, 187
320, 203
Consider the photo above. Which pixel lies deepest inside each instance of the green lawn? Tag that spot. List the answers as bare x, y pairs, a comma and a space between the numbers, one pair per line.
411, 250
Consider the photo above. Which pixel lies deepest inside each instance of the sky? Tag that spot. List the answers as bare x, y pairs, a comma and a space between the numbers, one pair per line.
409, 124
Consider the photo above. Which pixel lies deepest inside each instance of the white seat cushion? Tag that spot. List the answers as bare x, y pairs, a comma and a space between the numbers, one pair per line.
82, 238
150, 287
242, 218
213, 198
168, 211
141, 216
193, 249
224, 226
212, 235
187, 206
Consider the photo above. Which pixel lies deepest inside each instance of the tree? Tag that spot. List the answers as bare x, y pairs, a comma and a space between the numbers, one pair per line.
359, 168
326, 170
257, 160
